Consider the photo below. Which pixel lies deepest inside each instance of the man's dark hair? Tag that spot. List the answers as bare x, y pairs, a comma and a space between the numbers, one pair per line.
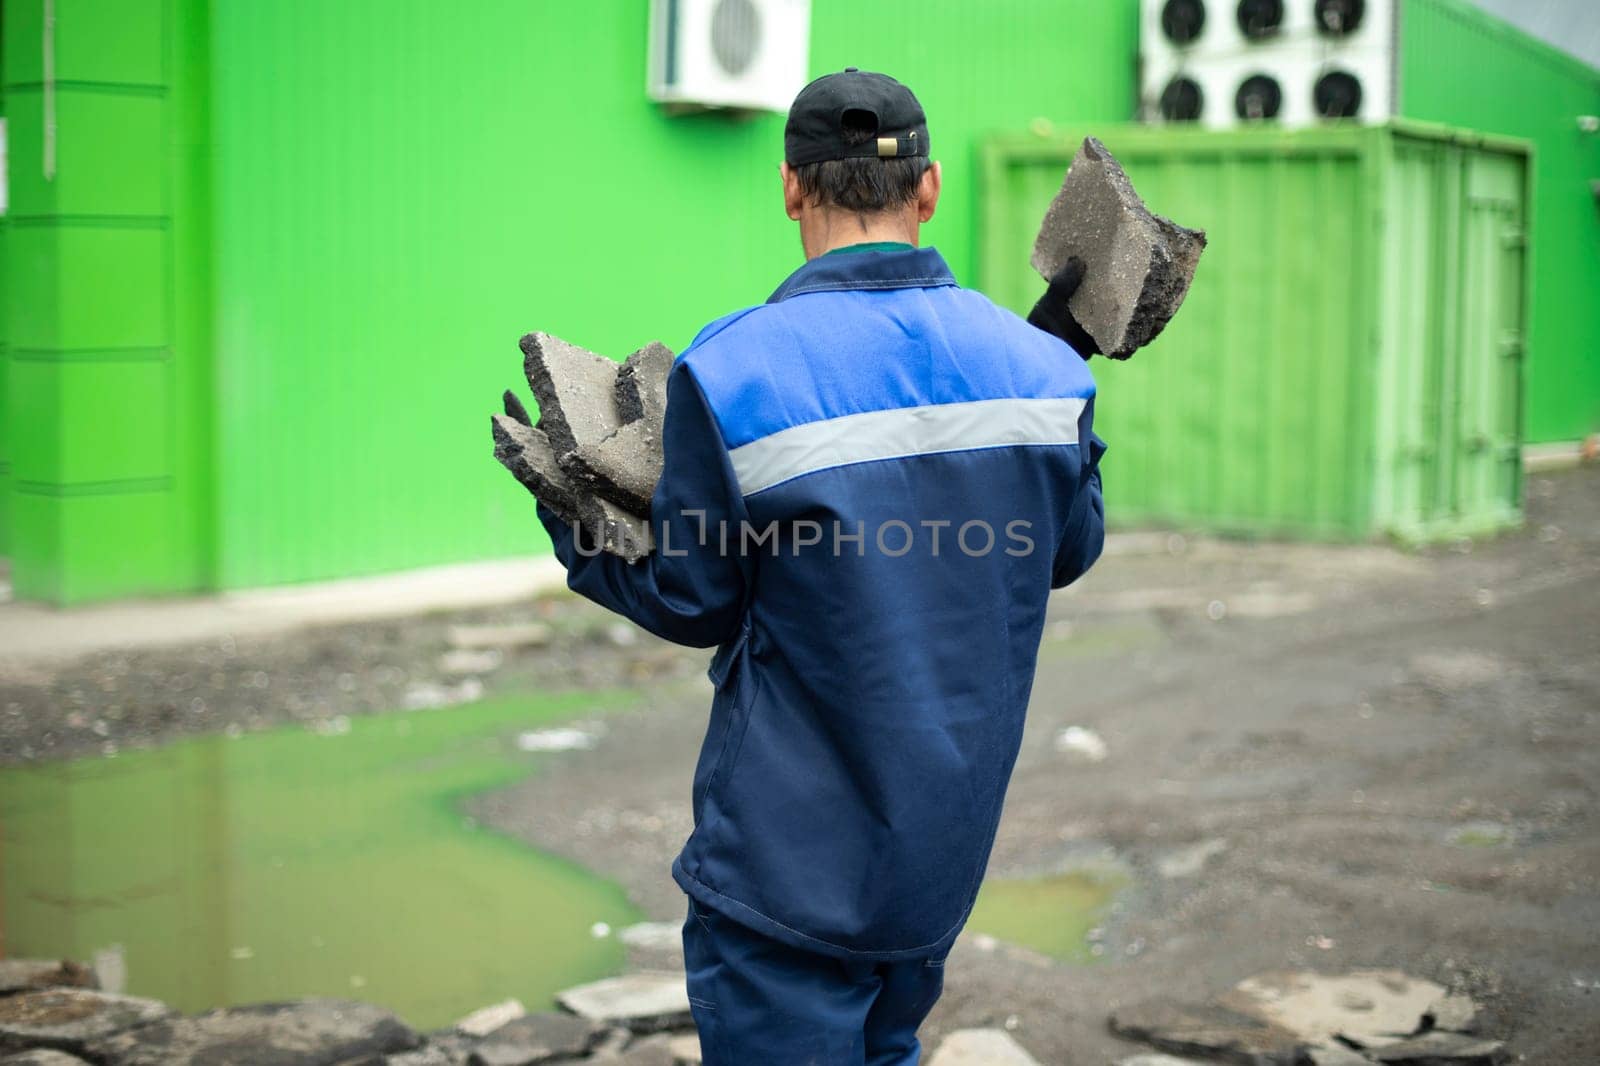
864, 185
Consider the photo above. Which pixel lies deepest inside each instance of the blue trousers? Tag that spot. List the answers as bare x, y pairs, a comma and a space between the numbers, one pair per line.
758, 1001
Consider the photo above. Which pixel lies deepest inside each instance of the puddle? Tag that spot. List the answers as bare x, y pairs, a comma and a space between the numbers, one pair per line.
297, 863
1052, 915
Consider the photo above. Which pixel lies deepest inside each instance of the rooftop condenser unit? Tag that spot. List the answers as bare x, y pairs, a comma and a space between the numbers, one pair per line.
742, 55
1221, 63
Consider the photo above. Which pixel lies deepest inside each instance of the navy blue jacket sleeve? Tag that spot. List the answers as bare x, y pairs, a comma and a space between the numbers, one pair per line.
691, 589
1084, 535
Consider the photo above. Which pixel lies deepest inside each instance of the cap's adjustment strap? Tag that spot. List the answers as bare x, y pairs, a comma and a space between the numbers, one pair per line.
888, 146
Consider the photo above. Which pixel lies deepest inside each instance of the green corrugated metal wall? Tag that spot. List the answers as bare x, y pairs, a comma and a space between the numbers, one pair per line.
271, 359
1461, 67
1323, 379
413, 188
103, 390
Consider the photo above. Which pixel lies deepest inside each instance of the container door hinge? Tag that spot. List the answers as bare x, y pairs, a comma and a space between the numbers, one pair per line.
1512, 345
1515, 238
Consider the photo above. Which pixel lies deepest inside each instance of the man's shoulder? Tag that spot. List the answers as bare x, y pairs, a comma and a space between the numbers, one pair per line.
727, 340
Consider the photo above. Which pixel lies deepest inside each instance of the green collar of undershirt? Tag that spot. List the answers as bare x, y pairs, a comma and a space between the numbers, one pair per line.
874, 246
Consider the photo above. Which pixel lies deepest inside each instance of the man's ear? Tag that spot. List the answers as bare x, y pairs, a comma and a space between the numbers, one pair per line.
793, 198
928, 192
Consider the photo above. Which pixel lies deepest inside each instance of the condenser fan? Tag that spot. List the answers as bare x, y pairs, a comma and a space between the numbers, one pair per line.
1260, 19
1259, 97
1337, 95
1339, 18
1183, 20
1182, 100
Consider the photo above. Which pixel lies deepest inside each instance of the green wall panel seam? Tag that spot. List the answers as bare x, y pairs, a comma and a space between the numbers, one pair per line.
151, 354
156, 222
106, 88
120, 487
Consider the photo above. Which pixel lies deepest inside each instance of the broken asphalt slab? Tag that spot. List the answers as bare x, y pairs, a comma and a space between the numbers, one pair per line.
527, 453
594, 457
1297, 1017
1137, 265
641, 392
575, 389
624, 467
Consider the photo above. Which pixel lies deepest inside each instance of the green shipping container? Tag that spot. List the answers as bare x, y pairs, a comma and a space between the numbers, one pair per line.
1349, 360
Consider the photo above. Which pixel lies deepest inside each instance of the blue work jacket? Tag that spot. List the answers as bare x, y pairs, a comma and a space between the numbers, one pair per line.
872, 482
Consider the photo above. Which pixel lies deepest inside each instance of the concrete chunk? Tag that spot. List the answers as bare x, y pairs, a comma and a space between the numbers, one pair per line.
575, 389
642, 384
1137, 265
624, 468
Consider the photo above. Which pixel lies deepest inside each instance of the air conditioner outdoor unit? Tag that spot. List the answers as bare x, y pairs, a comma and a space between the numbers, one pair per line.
746, 55
1222, 63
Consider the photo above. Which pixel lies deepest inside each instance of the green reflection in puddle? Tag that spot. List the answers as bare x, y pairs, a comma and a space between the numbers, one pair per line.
1052, 915
290, 863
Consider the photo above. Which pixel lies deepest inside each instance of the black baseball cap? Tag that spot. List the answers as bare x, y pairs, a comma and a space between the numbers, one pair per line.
815, 130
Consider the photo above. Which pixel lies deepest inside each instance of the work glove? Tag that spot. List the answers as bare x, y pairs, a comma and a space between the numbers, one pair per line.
1053, 315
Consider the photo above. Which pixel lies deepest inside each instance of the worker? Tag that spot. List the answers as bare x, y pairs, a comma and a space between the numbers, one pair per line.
872, 482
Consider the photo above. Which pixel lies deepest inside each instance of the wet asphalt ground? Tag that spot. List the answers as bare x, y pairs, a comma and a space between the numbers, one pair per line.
1315, 757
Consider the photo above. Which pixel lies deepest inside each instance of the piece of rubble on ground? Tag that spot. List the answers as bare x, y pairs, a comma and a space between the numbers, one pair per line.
486, 1020
1299, 1017
643, 1002
70, 1019
43, 1057
685, 1049
1207, 1030
1438, 1048
543, 1037
594, 455
1137, 265
1368, 1008
29, 975
306, 1030
981, 1047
